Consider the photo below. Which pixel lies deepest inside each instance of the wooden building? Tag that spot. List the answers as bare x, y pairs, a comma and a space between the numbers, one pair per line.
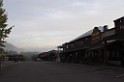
48, 56
100, 45
15, 57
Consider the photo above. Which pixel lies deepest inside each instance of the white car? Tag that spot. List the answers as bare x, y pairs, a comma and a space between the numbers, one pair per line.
38, 59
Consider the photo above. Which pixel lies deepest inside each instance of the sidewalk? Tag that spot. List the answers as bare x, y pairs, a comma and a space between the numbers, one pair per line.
7, 63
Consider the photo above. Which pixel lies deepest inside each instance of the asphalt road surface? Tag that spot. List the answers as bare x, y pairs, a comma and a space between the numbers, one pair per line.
59, 72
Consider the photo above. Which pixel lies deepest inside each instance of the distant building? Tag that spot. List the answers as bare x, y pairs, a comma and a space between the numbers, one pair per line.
15, 57
48, 56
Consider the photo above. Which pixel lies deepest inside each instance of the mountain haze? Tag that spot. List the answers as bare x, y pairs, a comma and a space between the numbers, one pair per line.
11, 47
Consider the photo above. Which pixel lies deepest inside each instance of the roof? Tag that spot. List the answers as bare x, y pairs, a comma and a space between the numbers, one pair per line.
87, 34
118, 18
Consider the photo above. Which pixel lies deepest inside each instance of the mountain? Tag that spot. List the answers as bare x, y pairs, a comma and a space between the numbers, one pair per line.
11, 47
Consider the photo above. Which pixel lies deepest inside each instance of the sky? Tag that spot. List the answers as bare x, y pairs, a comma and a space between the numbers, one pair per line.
45, 24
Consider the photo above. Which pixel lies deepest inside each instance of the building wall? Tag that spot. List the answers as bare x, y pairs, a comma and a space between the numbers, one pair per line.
100, 46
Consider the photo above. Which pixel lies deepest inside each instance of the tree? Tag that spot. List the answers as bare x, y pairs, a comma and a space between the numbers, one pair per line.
4, 31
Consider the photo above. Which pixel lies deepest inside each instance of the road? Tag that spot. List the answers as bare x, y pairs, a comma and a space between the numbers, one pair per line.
59, 72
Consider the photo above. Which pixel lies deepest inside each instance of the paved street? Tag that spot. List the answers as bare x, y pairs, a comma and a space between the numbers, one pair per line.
59, 72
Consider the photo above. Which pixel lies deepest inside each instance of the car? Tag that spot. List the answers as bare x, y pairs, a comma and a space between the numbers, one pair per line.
37, 59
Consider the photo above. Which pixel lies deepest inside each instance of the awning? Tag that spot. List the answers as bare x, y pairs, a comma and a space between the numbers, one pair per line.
114, 37
117, 45
97, 47
78, 49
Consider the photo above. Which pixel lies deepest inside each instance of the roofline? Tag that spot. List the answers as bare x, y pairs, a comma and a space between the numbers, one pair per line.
118, 18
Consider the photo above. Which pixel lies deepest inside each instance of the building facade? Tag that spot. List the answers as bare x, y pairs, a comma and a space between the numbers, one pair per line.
99, 45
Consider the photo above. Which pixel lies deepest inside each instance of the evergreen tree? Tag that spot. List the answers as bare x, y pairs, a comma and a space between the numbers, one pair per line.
4, 31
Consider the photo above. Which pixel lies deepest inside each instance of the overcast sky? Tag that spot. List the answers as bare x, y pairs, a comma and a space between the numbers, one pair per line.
46, 24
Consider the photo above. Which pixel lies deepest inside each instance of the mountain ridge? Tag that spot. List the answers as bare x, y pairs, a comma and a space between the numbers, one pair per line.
11, 47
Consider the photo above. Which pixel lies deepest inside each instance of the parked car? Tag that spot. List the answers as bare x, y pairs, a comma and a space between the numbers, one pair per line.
37, 59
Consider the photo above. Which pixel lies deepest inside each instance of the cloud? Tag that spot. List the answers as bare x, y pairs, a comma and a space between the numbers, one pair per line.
48, 23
